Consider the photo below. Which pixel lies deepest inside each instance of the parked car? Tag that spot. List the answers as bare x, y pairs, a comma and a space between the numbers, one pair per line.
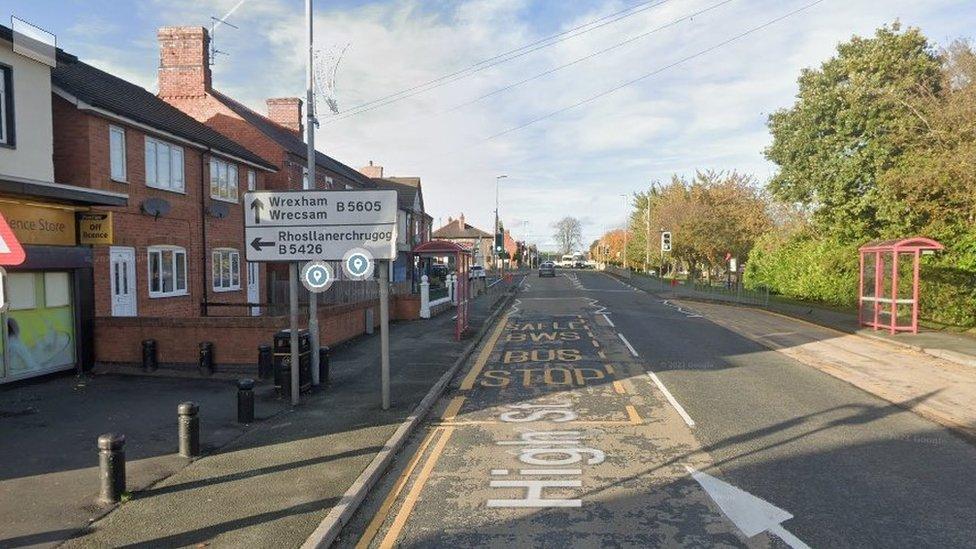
477, 271
547, 269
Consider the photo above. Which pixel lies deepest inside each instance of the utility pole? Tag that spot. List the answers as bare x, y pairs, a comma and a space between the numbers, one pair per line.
310, 122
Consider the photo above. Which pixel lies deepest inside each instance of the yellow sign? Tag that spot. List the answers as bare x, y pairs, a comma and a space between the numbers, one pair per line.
95, 228
36, 224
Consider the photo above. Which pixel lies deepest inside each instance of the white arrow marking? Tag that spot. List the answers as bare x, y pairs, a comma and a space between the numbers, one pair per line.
750, 514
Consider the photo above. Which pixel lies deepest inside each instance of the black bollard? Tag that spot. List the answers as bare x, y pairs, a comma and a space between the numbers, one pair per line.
324, 365
150, 360
206, 358
189, 429
245, 400
265, 361
111, 467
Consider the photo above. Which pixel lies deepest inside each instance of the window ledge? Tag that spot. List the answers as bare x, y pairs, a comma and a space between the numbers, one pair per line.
183, 192
227, 200
123, 181
172, 294
226, 290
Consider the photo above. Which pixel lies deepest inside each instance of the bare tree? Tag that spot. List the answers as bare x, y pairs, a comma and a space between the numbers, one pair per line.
569, 234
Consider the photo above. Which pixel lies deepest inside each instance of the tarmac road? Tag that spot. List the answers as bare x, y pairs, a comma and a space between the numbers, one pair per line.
597, 415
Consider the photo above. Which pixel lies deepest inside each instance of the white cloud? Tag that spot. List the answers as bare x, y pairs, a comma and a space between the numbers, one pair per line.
707, 113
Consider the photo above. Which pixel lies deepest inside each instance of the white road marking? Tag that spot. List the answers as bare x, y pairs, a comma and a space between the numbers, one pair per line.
674, 402
750, 514
607, 318
627, 343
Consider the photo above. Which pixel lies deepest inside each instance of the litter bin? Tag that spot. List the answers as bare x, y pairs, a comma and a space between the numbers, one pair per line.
282, 362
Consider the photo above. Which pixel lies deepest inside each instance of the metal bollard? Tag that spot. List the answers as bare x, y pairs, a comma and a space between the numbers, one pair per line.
324, 365
265, 361
150, 360
189, 429
206, 358
245, 400
111, 467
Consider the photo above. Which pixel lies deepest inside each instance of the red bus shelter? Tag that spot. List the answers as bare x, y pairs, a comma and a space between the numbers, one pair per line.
889, 283
462, 264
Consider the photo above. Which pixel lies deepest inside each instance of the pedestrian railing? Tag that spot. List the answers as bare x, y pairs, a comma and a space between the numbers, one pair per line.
732, 293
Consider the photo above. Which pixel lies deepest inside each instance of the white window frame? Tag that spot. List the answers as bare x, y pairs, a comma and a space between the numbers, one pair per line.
121, 177
224, 184
174, 161
233, 273
252, 180
6, 97
175, 292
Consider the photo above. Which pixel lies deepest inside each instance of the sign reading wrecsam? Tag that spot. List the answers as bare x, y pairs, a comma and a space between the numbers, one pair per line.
319, 225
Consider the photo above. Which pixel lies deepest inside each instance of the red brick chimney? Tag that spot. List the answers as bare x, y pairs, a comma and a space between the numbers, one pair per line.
372, 171
461, 222
184, 61
287, 112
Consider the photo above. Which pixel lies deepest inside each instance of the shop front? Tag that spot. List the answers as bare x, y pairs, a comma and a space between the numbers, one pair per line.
48, 321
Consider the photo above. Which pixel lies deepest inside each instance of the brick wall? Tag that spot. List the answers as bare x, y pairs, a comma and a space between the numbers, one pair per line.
235, 340
81, 154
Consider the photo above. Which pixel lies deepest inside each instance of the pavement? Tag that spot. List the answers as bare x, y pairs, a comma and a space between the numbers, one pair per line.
601, 415
266, 484
49, 477
952, 346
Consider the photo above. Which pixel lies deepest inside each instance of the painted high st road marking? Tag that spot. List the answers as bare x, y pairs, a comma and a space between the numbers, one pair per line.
549, 440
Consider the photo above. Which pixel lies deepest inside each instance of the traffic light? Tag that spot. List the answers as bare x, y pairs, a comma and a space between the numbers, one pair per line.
666, 241
499, 242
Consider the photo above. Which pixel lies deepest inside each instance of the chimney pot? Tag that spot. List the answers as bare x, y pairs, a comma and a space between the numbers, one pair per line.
286, 112
184, 61
372, 171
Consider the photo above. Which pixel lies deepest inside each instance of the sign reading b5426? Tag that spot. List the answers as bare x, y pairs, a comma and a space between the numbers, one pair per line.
310, 225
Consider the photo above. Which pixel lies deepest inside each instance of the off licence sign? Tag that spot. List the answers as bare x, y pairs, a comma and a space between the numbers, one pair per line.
310, 225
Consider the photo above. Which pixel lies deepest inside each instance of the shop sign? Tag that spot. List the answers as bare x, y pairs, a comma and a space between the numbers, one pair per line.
35, 224
95, 228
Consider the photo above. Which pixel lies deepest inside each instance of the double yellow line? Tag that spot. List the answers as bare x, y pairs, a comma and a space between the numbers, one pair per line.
444, 433
400, 520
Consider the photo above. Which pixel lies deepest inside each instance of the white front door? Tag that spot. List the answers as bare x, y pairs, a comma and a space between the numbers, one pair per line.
253, 287
122, 265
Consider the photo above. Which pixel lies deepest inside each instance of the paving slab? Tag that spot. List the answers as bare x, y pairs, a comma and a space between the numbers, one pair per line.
275, 484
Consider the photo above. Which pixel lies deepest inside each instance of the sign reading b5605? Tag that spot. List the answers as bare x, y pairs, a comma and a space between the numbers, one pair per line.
313, 225
359, 206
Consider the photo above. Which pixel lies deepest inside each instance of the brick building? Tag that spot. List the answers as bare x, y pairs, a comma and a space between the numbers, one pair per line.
478, 241
413, 224
178, 245
47, 323
186, 82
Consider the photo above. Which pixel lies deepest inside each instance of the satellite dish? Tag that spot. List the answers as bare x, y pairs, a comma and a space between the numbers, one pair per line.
155, 207
219, 210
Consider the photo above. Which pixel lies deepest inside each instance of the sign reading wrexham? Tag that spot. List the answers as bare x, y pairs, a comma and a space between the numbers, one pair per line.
310, 225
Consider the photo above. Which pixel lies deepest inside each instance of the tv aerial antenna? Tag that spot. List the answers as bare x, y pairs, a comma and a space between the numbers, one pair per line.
326, 70
215, 22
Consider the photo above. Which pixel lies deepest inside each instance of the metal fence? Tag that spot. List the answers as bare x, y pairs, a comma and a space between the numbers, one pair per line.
732, 293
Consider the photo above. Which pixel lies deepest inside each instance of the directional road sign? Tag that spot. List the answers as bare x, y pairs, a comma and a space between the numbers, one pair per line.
311, 225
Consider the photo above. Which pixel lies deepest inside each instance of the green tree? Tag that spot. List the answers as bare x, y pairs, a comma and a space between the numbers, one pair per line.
848, 126
709, 216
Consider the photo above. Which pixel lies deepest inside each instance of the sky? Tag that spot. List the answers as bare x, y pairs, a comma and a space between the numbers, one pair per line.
703, 104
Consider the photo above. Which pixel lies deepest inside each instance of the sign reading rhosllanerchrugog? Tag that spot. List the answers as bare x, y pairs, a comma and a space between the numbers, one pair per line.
310, 225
